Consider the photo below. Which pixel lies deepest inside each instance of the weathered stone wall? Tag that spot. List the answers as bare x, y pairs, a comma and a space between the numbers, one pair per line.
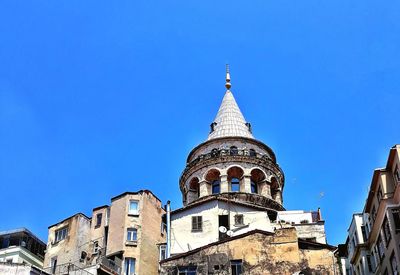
260, 254
68, 250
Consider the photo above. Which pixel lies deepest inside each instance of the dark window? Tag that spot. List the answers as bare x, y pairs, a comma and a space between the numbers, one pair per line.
373, 213
381, 248
238, 219
237, 267
223, 220
95, 247
364, 233
233, 151
235, 185
397, 173
98, 219
396, 218
53, 265
187, 270
386, 231
393, 263
254, 187
163, 252
369, 263
216, 187
197, 223
252, 153
214, 152
61, 234
379, 193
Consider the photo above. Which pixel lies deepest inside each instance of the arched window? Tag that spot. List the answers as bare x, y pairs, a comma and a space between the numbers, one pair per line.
214, 152
235, 185
254, 187
216, 187
252, 153
233, 151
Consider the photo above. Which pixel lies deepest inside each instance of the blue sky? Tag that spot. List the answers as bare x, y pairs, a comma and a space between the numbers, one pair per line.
98, 98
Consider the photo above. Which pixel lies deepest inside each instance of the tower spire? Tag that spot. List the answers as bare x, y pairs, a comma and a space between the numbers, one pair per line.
228, 78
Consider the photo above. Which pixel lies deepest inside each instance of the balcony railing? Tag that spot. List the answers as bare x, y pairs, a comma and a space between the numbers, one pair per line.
68, 268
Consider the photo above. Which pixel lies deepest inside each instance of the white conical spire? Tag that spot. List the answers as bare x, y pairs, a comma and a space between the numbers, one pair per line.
229, 121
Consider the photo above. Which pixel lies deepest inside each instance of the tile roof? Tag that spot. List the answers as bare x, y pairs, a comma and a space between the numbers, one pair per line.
229, 120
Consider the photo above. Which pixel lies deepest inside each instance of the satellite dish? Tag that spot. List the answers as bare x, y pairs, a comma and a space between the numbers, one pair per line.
222, 229
229, 233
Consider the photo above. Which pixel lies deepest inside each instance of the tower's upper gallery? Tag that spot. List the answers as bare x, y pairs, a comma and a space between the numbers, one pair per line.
229, 121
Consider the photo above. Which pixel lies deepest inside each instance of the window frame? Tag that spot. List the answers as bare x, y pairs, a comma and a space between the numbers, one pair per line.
133, 233
133, 212
128, 265
187, 270
197, 223
216, 184
239, 219
234, 267
61, 234
254, 185
99, 218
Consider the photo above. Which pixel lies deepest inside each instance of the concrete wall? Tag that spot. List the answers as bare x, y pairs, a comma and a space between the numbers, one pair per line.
183, 239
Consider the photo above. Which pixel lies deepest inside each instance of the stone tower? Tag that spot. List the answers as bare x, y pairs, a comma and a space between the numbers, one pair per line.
231, 163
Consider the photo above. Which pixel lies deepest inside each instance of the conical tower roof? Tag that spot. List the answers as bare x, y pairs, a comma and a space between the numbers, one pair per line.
229, 121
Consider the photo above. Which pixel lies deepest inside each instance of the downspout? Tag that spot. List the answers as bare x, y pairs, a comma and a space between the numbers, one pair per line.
168, 229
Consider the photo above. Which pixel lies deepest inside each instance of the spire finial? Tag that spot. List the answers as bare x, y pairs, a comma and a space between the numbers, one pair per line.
228, 78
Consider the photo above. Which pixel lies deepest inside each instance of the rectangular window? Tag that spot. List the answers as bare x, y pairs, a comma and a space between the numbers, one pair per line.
95, 247
393, 264
53, 265
386, 231
364, 233
130, 266
187, 270
397, 173
61, 234
238, 219
131, 234
99, 216
381, 248
133, 207
396, 219
373, 213
369, 262
379, 193
163, 252
237, 267
197, 223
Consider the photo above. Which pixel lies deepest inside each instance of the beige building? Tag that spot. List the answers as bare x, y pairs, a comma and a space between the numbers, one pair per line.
373, 242
232, 192
118, 239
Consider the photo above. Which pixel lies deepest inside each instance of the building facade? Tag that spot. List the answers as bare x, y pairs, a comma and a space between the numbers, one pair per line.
20, 249
374, 236
120, 238
232, 192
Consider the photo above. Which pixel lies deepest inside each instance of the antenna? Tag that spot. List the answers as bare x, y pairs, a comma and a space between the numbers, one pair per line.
229, 233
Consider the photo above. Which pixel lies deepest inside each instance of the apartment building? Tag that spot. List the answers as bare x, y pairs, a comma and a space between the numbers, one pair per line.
373, 242
120, 238
21, 246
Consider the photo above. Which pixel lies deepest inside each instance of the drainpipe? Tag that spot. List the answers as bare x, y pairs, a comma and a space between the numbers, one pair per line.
168, 229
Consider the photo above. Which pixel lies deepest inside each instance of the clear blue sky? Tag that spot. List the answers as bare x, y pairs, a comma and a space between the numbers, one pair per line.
100, 97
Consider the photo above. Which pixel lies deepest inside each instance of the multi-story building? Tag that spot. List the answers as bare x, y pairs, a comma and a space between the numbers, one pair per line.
373, 237
233, 220
118, 239
20, 249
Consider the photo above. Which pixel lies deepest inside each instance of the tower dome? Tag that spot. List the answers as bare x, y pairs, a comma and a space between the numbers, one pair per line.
231, 164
